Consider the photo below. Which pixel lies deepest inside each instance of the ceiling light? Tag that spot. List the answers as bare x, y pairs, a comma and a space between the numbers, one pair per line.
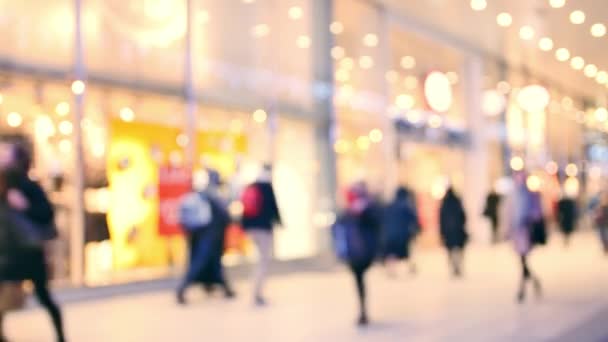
598, 30
62, 109
438, 92
590, 70
533, 98
517, 163
66, 127
337, 52
336, 27
405, 101
295, 12
577, 17
504, 19
479, 5
363, 143
577, 63
557, 3
526, 32
408, 62
562, 54
375, 135
493, 102
545, 44
571, 170
370, 40
601, 114
601, 77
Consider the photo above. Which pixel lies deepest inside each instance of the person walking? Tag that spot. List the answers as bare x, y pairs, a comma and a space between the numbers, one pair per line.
260, 215
356, 239
525, 224
205, 218
399, 227
491, 212
452, 220
30, 211
567, 216
601, 220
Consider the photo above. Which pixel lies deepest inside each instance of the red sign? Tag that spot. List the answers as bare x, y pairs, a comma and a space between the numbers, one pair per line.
173, 184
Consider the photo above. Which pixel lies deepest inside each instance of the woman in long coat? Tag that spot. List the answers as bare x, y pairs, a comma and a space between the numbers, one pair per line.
399, 227
452, 220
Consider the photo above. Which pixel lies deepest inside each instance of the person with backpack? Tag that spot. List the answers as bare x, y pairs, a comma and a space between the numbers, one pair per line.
260, 215
204, 218
452, 221
601, 220
524, 221
399, 227
31, 215
356, 238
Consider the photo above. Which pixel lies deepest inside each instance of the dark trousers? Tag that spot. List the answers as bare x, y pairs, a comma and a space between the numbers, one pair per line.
31, 265
527, 276
456, 258
358, 272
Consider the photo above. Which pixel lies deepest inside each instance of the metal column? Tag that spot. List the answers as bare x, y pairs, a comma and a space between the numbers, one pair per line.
189, 91
78, 207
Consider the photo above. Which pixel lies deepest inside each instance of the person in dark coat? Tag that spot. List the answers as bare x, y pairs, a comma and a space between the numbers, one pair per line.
567, 215
365, 211
27, 197
259, 225
491, 212
452, 220
399, 226
207, 247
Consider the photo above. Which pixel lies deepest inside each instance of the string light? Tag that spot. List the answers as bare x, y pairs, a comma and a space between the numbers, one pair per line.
526, 32
303, 42
591, 70
78, 87
577, 17
408, 62
545, 44
65, 127
127, 114
601, 77
375, 135
562, 54
14, 119
405, 101
479, 5
337, 52
62, 108
504, 19
295, 12
336, 27
601, 114
517, 163
363, 143
370, 40
557, 3
260, 116
571, 170
598, 30
577, 63
366, 62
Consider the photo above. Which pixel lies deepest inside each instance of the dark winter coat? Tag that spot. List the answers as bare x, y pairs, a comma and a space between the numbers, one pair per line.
452, 220
491, 209
27, 263
207, 246
269, 215
399, 226
368, 229
567, 215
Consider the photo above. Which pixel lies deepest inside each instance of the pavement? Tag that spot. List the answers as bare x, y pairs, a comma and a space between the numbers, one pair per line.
319, 305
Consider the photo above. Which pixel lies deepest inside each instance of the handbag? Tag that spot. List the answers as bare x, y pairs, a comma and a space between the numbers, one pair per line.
12, 296
29, 233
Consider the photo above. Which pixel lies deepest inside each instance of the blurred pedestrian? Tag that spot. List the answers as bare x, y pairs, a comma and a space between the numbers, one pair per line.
399, 227
601, 220
567, 216
491, 212
356, 235
205, 218
260, 215
452, 221
29, 209
524, 219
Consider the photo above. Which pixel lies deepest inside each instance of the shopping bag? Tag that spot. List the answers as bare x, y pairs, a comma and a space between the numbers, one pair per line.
235, 239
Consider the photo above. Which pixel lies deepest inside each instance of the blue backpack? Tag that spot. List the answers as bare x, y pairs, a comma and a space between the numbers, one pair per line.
347, 239
195, 212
